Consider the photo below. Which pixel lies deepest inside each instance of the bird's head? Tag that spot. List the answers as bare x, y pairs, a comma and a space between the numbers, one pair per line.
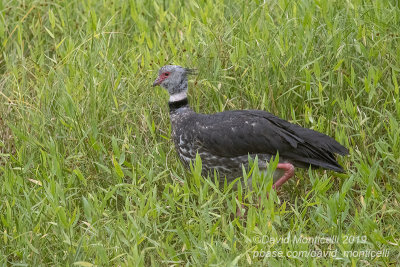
173, 78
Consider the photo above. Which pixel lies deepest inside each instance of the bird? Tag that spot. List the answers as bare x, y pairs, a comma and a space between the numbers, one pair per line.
226, 140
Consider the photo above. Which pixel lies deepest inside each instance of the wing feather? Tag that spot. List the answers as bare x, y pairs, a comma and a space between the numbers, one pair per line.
242, 132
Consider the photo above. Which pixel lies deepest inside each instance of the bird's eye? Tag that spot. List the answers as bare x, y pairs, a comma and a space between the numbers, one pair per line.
166, 74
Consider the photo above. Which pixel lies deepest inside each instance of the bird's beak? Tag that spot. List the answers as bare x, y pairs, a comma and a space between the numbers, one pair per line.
157, 82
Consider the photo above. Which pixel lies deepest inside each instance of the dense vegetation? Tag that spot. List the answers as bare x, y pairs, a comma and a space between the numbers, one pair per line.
89, 174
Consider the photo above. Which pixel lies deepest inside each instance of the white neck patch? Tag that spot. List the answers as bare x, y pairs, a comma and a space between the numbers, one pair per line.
178, 96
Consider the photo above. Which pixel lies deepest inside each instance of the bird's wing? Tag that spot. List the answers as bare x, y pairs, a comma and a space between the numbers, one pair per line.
242, 132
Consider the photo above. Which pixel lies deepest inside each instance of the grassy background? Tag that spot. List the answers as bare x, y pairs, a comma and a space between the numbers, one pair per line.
88, 171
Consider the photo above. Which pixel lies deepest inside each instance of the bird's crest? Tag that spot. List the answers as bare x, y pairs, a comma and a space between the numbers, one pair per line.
191, 71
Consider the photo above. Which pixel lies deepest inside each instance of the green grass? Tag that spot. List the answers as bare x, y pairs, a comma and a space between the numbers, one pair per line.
88, 171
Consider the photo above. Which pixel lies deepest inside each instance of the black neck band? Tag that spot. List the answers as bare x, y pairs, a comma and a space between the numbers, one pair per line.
178, 104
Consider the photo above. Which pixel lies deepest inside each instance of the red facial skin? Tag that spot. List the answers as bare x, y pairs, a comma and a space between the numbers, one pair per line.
161, 78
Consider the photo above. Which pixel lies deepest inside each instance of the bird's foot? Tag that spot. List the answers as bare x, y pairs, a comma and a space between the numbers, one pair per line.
288, 173
241, 212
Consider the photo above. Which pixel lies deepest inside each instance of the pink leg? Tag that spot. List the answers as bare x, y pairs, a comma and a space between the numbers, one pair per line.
289, 172
239, 211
